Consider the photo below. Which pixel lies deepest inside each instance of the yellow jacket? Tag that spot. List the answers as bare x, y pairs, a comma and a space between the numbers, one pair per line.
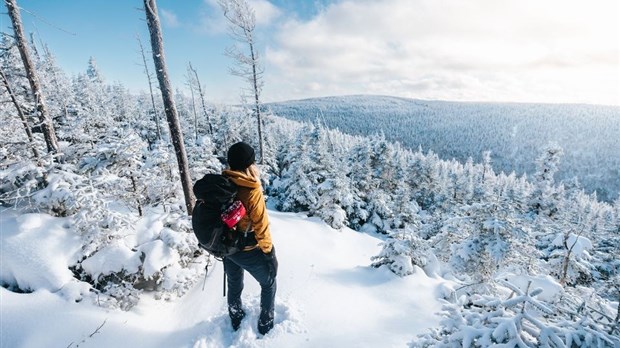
250, 193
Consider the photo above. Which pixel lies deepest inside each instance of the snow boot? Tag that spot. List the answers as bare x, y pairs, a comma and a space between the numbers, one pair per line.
265, 322
236, 316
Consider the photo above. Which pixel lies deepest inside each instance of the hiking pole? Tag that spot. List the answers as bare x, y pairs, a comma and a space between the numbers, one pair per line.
224, 284
206, 272
205, 280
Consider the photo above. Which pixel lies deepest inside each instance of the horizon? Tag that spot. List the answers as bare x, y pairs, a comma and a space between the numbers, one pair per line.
509, 52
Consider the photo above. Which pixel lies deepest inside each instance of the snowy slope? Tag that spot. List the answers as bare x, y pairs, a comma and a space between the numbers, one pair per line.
328, 296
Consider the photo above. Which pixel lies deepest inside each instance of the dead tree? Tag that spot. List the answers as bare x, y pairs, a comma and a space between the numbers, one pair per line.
202, 98
242, 21
149, 78
190, 84
45, 122
176, 136
20, 113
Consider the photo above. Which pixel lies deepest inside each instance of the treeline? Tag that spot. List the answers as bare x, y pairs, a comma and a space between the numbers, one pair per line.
513, 132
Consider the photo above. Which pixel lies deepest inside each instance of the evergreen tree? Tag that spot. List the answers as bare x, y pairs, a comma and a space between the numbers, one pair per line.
546, 196
360, 176
334, 194
298, 184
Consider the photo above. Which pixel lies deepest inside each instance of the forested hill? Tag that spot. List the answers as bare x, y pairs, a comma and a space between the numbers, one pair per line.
514, 133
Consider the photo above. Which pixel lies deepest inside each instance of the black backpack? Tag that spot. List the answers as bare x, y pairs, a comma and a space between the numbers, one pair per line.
215, 194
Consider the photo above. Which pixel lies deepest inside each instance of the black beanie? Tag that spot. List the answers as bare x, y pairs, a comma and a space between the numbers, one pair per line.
240, 156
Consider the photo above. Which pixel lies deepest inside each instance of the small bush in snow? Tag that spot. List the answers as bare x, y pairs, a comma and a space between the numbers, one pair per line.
401, 251
19, 181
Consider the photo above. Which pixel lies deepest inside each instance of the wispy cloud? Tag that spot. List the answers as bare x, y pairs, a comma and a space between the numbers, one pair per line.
170, 19
213, 20
530, 50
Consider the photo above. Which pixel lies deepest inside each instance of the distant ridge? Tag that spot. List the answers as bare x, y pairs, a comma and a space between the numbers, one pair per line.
515, 133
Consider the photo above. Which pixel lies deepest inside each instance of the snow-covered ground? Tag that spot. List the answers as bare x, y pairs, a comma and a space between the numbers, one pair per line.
328, 296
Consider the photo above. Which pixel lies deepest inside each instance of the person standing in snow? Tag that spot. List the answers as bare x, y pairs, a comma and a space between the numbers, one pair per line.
258, 257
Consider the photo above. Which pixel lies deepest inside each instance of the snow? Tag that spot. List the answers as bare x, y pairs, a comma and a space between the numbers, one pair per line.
328, 295
110, 259
551, 289
579, 245
36, 250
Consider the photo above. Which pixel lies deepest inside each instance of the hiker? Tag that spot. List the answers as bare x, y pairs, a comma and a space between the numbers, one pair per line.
258, 256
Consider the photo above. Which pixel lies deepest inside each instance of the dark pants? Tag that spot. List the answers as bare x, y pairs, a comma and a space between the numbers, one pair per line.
255, 262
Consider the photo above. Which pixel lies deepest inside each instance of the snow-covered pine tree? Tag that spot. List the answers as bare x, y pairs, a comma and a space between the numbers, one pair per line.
334, 189
381, 203
402, 251
487, 236
423, 179
360, 175
546, 196
569, 251
57, 87
297, 187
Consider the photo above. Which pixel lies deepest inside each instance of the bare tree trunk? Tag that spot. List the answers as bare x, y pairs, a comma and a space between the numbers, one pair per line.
176, 135
257, 104
616, 325
148, 76
20, 113
242, 22
135, 190
46, 124
202, 99
569, 251
191, 90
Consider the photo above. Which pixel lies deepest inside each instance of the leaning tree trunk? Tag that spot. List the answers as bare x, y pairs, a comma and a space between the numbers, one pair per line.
5, 81
46, 124
257, 104
176, 135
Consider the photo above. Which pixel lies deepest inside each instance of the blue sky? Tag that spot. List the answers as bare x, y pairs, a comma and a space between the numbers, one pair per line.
563, 51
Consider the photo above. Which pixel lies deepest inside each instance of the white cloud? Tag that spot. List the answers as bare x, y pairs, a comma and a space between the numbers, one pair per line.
502, 50
214, 22
170, 19
266, 12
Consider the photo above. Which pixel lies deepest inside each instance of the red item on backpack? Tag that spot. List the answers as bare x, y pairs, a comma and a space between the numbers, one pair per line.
233, 214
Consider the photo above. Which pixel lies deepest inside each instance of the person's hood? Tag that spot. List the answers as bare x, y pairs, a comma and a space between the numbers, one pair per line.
214, 187
242, 179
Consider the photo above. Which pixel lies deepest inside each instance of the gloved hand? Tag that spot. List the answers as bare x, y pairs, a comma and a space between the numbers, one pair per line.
272, 261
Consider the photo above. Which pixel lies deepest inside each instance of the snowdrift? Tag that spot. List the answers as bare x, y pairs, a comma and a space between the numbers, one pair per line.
328, 295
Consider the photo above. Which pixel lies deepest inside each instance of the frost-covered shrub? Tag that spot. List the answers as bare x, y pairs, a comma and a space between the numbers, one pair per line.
202, 158
18, 181
160, 256
60, 196
521, 320
118, 291
157, 181
569, 259
120, 153
401, 252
